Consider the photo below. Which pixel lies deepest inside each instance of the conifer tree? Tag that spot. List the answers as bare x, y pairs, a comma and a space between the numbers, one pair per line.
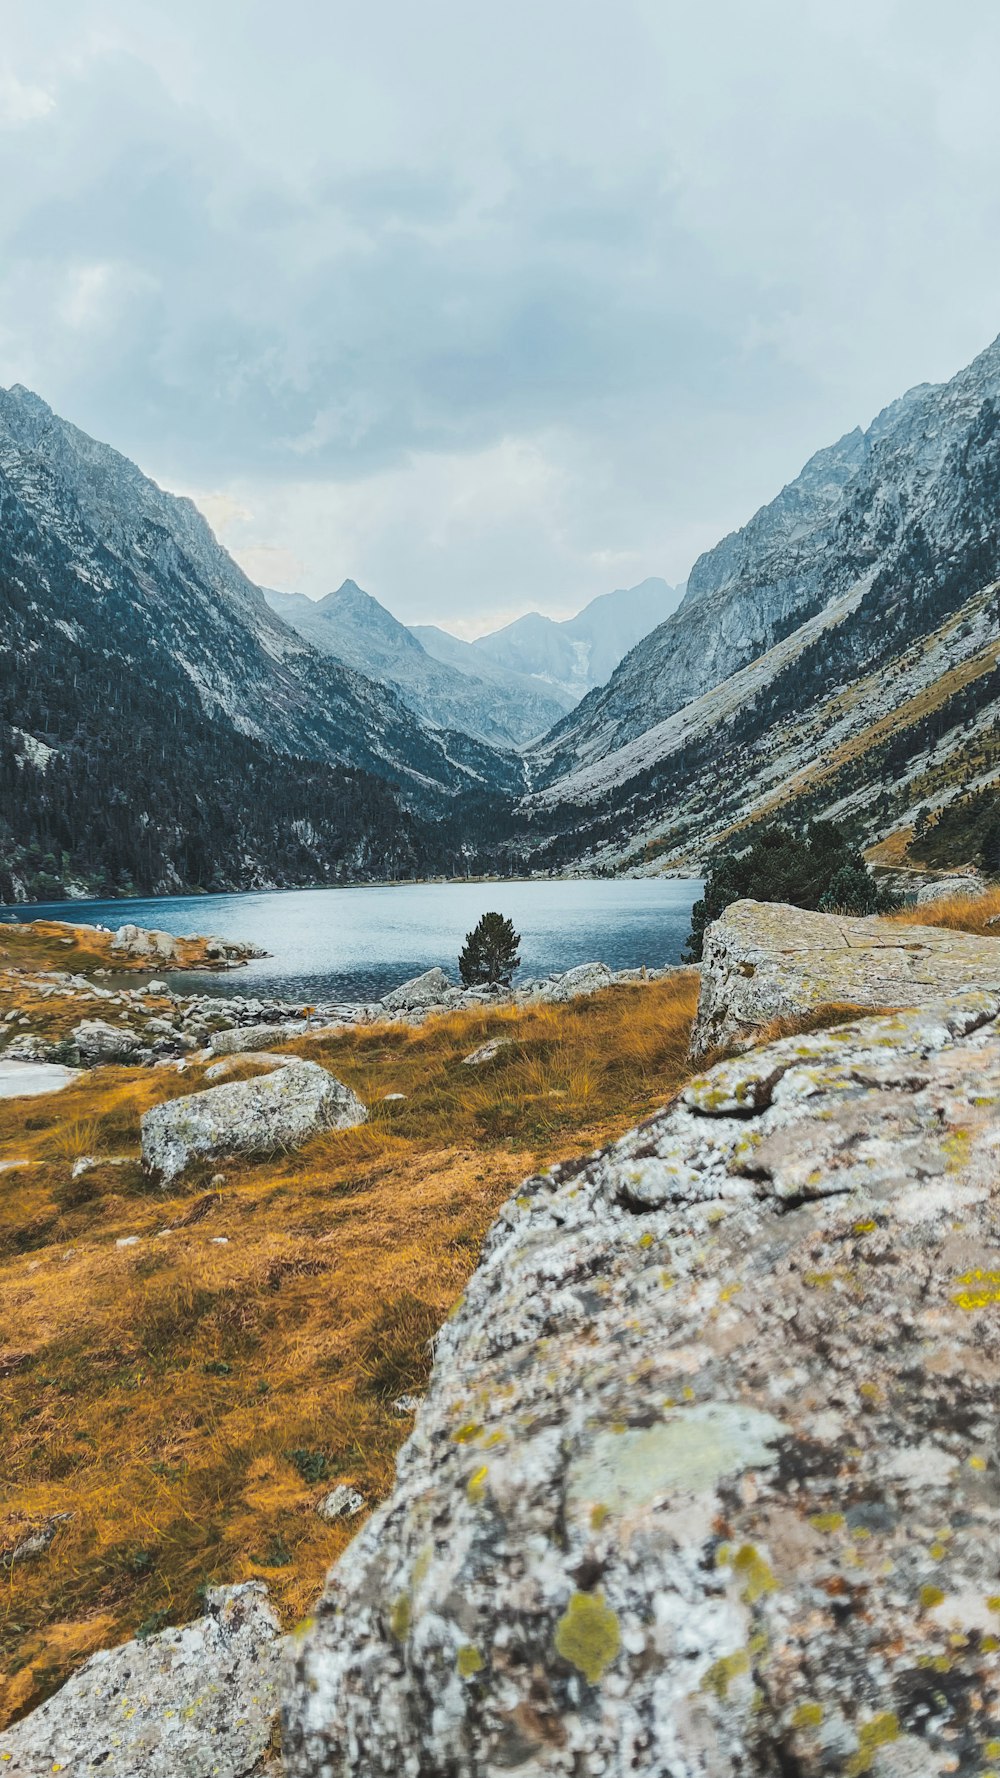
489, 956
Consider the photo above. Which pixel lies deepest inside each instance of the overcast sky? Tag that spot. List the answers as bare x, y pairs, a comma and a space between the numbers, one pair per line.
491, 307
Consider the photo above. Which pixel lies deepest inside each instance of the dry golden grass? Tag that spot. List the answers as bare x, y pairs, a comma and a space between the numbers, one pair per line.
53, 944
189, 1398
960, 913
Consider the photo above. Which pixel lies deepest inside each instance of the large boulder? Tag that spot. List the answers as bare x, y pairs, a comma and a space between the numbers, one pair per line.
705, 1483
586, 978
194, 1702
764, 960
256, 1116
945, 888
96, 1043
419, 993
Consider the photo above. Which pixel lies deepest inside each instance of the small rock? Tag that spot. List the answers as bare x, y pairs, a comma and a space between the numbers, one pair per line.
34, 1544
406, 1404
342, 1503
486, 1052
127, 1241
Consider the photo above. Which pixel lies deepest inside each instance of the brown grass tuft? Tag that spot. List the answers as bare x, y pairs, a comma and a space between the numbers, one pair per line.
959, 913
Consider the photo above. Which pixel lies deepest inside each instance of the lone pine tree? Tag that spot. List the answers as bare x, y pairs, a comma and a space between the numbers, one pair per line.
489, 955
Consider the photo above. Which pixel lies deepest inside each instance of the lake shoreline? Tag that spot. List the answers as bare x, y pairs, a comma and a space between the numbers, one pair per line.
14, 908
359, 941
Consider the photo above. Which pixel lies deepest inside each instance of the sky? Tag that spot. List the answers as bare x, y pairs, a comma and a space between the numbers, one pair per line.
490, 308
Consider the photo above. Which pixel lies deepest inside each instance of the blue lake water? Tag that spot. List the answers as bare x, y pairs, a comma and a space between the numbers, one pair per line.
357, 943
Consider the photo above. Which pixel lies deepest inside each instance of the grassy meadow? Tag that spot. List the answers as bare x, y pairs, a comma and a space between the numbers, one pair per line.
177, 1406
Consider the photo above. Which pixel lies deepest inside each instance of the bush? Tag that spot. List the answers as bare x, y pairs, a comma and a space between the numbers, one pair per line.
489, 956
815, 869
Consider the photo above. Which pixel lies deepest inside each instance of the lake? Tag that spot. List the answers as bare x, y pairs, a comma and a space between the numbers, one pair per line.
357, 943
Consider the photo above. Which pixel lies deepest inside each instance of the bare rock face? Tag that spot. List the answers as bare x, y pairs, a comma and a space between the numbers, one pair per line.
764, 960
194, 1702
706, 1481
271, 1111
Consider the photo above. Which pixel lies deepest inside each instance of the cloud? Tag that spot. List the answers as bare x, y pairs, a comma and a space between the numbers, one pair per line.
485, 309
21, 103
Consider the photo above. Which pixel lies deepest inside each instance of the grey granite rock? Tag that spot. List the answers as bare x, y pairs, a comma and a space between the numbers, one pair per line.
943, 888
194, 1702
424, 990
342, 1502
764, 960
705, 1484
487, 1052
586, 978
97, 1042
237, 1039
272, 1111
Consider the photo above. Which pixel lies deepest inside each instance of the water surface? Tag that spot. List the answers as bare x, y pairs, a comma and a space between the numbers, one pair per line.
357, 943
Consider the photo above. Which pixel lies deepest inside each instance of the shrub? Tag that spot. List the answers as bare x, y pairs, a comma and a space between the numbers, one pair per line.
815, 869
489, 956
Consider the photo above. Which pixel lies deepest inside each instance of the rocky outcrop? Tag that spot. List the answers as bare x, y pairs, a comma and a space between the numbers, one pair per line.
705, 1481
195, 1702
256, 1116
138, 941
764, 960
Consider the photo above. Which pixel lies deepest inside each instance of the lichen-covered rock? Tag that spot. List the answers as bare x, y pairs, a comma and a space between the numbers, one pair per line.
422, 991
194, 1702
272, 1111
705, 1484
764, 960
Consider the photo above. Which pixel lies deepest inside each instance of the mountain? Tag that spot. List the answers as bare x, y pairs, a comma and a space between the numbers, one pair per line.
502, 709
838, 655
160, 727
573, 655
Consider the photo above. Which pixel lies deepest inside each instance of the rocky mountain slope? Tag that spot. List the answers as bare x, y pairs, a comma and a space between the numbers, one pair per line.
577, 653
502, 708
838, 655
159, 725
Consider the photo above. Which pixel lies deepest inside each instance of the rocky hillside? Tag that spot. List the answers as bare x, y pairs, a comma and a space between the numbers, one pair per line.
159, 726
837, 655
500, 707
